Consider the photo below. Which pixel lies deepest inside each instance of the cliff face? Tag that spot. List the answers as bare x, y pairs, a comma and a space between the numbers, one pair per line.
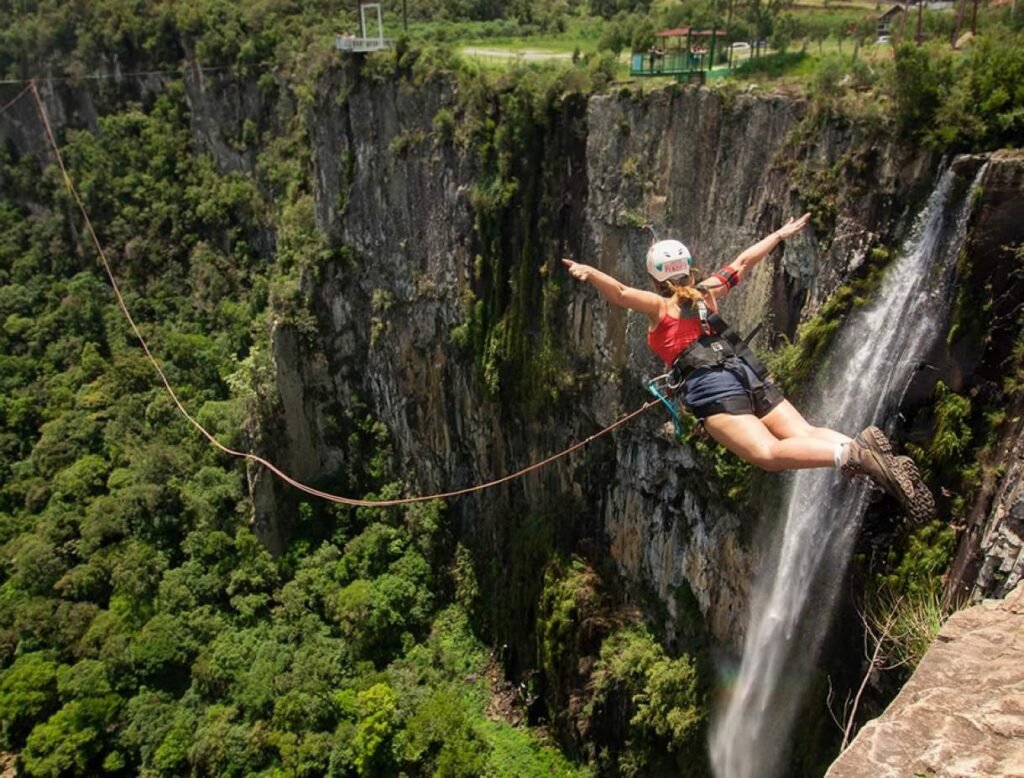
990, 557
718, 173
715, 170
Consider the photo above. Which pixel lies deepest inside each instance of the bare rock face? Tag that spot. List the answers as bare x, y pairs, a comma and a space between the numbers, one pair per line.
962, 712
1002, 541
990, 556
716, 173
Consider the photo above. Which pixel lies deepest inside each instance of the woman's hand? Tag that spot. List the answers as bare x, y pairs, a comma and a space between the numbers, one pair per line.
578, 270
618, 293
792, 227
751, 255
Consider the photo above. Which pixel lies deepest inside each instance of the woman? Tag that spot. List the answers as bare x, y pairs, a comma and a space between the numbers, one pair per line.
739, 409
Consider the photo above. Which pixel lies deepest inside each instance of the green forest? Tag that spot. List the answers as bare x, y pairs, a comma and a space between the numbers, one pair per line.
144, 629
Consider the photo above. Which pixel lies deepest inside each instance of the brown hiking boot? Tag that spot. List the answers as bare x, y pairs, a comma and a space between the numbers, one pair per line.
871, 455
869, 439
873, 438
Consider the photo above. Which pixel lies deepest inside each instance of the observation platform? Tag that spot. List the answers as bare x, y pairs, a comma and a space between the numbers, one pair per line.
687, 53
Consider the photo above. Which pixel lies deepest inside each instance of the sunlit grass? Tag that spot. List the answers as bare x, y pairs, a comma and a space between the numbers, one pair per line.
827, 5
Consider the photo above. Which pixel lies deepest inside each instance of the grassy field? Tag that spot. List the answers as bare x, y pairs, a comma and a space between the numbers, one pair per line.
862, 6
502, 43
580, 33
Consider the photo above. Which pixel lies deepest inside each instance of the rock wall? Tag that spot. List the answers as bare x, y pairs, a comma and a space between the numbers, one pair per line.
714, 172
990, 557
961, 712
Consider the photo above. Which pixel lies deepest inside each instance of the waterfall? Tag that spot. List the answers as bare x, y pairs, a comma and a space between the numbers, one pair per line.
868, 370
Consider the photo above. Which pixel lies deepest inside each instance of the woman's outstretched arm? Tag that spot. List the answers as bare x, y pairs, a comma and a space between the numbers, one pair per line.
751, 255
617, 293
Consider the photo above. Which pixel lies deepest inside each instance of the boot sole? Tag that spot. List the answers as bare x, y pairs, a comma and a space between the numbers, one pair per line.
921, 508
877, 440
907, 487
920, 505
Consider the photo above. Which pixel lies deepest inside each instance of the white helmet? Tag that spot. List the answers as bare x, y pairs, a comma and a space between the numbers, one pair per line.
668, 258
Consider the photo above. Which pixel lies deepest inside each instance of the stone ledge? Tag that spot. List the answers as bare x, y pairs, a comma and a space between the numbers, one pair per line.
961, 714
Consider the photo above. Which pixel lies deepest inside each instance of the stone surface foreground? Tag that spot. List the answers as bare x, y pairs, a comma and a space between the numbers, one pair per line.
962, 712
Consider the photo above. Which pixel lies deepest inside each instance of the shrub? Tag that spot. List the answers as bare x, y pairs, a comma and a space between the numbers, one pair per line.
661, 697
918, 78
770, 66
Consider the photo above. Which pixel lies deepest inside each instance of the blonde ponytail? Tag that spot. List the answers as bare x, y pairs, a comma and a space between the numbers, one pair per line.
685, 291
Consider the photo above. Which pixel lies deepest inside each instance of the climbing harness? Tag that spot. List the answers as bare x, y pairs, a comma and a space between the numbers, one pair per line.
719, 346
245, 454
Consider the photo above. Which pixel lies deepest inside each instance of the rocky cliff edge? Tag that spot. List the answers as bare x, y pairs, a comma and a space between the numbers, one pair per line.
962, 712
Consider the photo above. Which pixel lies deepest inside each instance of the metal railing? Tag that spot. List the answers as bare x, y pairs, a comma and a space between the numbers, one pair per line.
360, 45
668, 64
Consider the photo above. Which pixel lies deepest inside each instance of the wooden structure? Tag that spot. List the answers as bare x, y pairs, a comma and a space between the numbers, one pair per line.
887, 19
687, 53
364, 42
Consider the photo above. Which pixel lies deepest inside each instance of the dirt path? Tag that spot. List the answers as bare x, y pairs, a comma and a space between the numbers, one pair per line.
530, 55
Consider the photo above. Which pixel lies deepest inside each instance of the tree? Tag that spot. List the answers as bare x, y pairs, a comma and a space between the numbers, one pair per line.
377, 725
76, 739
863, 31
917, 84
818, 31
148, 716
762, 15
643, 35
28, 693
37, 565
784, 30
161, 650
659, 697
440, 739
223, 745
613, 38
983, 105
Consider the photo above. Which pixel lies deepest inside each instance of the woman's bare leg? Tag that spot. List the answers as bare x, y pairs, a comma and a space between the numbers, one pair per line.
748, 438
785, 421
753, 440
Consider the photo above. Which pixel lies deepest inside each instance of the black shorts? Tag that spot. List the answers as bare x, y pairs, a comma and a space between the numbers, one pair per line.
738, 400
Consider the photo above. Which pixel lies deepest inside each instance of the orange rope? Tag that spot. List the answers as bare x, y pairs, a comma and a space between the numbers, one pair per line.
253, 457
9, 103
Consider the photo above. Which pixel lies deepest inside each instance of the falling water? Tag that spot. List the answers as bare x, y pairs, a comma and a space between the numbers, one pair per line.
869, 369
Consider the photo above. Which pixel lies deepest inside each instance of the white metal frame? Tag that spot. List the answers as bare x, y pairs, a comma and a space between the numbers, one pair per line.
364, 44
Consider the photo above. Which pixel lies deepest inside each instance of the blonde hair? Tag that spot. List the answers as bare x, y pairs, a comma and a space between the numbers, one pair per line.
682, 289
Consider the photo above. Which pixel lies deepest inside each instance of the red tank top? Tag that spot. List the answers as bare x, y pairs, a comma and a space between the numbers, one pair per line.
672, 335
